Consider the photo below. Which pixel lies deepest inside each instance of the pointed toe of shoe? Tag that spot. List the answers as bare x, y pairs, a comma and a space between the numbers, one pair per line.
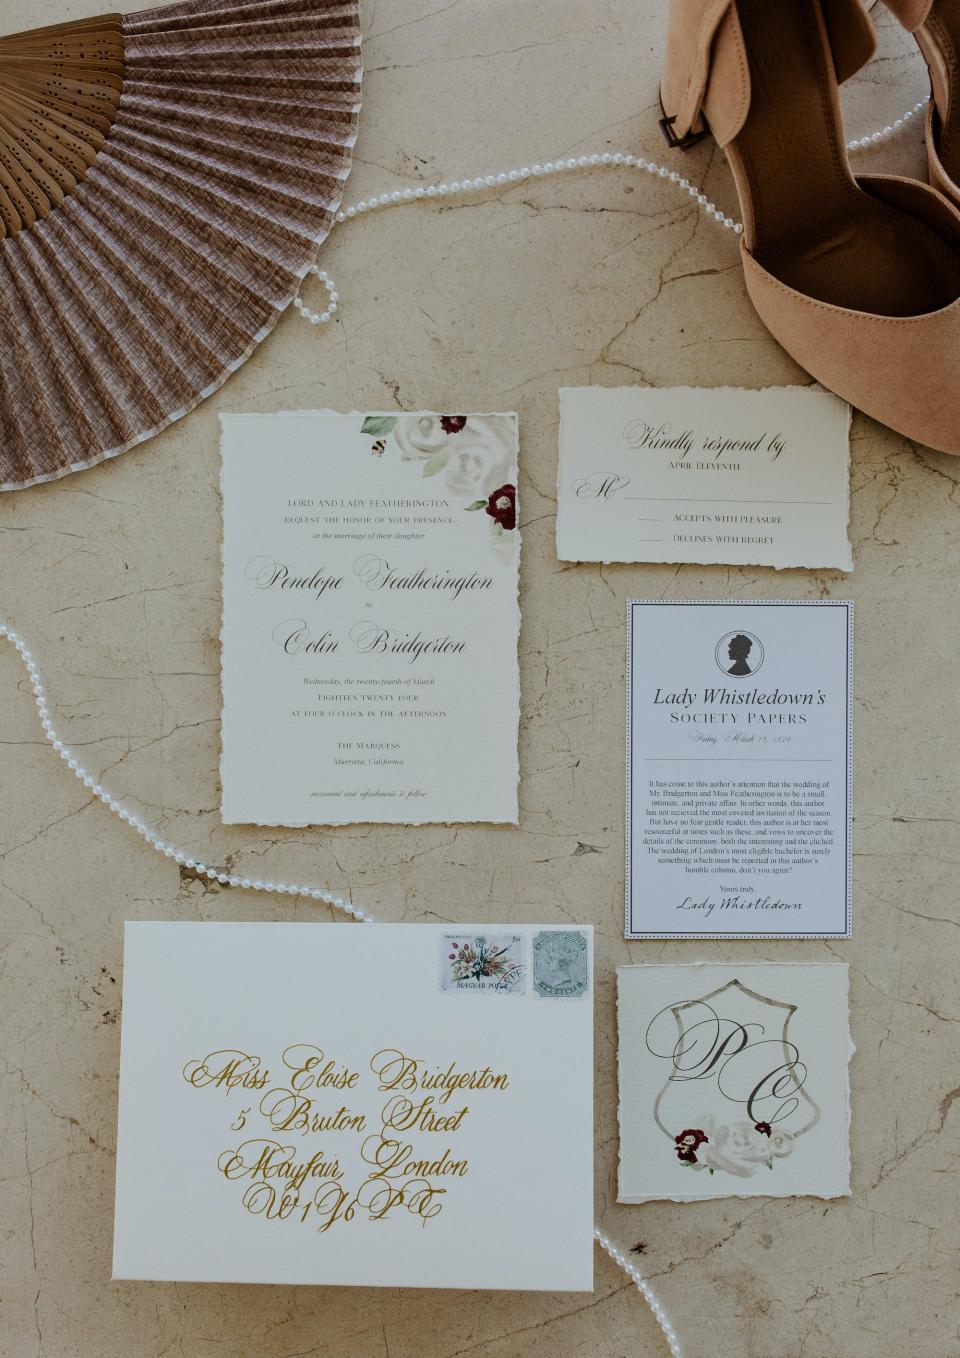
902, 370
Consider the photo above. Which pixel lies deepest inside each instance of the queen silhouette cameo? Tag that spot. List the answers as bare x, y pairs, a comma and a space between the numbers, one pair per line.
739, 653
738, 650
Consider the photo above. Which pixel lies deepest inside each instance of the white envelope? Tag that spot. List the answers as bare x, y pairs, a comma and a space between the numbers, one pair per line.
401, 1105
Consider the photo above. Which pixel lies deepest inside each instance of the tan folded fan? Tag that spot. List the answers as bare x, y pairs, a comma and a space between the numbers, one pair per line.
165, 179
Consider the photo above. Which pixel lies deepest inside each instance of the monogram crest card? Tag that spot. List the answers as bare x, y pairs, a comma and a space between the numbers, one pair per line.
739, 768
386, 1105
695, 474
733, 1081
370, 618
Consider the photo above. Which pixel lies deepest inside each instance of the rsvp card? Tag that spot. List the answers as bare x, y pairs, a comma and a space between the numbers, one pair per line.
370, 619
733, 1081
704, 475
739, 769
393, 1105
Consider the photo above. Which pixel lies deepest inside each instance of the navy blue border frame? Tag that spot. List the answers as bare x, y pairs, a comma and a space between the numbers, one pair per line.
631, 934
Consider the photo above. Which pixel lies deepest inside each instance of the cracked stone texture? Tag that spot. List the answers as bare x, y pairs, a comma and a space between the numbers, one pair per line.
490, 302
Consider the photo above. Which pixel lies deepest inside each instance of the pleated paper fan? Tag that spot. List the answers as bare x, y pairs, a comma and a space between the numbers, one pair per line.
165, 180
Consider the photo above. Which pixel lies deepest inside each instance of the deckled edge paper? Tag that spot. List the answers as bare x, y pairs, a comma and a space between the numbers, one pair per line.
843, 564
850, 1049
305, 824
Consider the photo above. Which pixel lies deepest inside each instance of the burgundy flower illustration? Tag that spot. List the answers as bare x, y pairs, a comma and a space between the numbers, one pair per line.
688, 1143
452, 424
763, 1127
502, 507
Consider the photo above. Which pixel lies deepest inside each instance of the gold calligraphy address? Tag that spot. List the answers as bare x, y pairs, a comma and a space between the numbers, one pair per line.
284, 1182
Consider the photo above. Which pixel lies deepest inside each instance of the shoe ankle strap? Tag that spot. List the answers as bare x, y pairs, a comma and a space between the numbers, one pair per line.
706, 76
705, 70
911, 13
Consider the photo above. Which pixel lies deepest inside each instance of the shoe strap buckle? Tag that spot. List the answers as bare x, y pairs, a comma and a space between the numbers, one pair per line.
687, 140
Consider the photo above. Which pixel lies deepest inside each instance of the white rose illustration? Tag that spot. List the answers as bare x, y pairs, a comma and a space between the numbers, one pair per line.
481, 458
420, 436
740, 1149
736, 1150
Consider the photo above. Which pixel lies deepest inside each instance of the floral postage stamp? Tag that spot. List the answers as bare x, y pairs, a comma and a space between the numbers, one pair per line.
561, 963
471, 961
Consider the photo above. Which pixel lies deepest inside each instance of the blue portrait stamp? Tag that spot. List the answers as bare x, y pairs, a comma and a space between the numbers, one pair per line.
561, 963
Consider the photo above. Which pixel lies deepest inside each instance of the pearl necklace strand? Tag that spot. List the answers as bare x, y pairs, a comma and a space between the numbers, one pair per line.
315, 893
418, 193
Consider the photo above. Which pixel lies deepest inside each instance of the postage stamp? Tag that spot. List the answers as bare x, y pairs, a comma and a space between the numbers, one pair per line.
561, 963
483, 962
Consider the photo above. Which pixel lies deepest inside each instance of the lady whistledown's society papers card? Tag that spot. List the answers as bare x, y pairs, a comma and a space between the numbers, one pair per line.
733, 1081
739, 769
370, 618
393, 1105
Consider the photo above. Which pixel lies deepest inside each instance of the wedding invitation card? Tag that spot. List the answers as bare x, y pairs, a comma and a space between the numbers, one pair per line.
386, 1105
739, 769
704, 475
733, 1081
370, 619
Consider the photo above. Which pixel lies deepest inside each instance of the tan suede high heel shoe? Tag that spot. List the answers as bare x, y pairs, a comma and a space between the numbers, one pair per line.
936, 26
857, 278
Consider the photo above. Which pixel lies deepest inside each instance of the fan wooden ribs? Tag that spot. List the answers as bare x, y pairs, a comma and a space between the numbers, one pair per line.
59, 92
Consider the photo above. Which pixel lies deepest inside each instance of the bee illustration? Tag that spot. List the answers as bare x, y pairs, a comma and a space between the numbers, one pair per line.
378, 447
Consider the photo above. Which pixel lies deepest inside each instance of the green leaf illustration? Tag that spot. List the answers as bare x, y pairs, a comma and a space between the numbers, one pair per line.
378, 425
769, 1164
477, 504
436, 463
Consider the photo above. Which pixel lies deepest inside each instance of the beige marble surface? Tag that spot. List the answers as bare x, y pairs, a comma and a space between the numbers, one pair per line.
490, 302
